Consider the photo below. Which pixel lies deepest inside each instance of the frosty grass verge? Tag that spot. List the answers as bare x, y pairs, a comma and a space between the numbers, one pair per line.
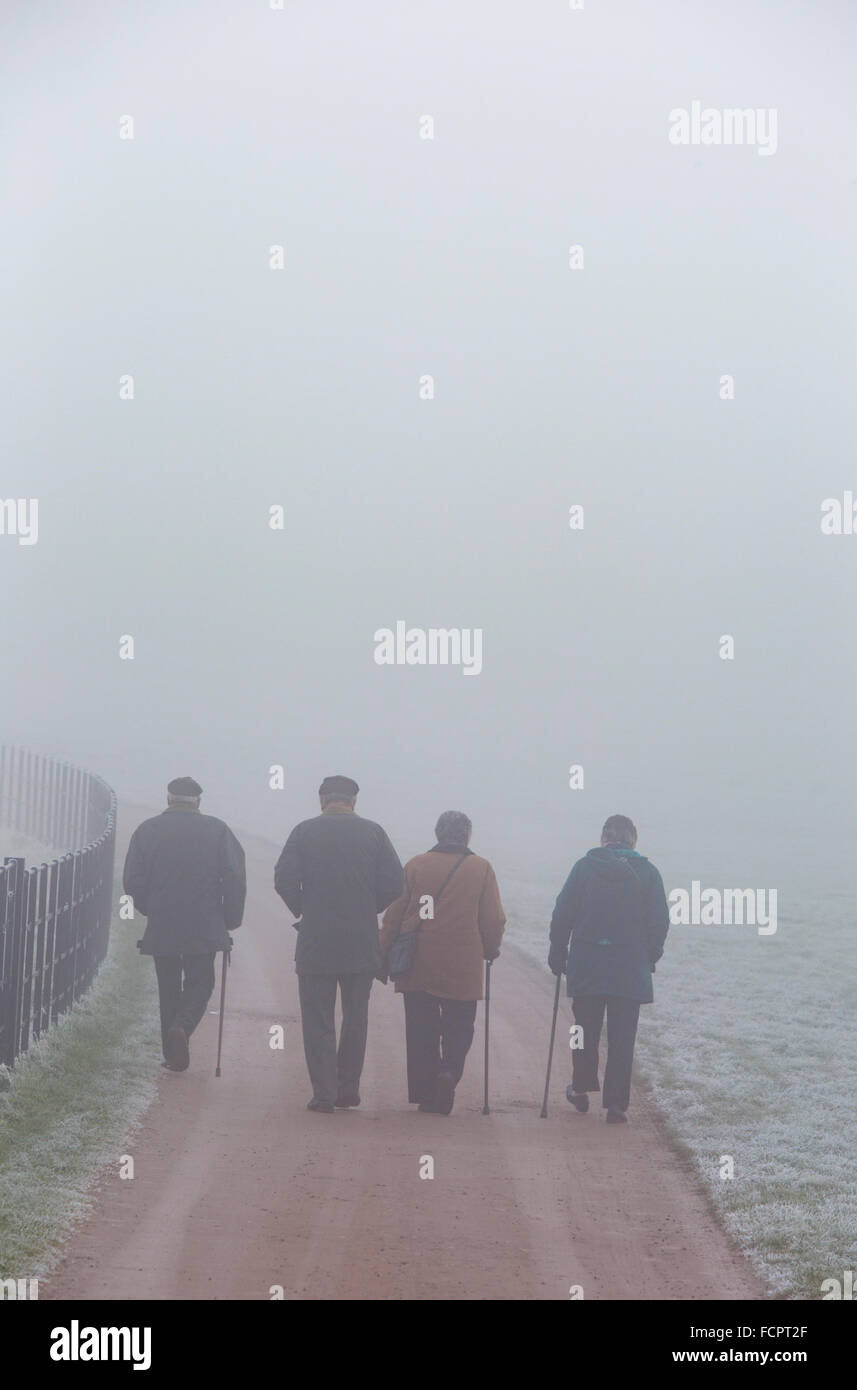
67, 1108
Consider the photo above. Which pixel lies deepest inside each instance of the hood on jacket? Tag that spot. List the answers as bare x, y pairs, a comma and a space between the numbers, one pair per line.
611, 862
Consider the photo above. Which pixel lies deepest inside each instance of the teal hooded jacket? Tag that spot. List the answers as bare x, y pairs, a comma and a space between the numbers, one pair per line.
609, 924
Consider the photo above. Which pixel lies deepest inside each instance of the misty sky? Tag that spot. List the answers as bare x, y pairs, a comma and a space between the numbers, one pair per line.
448, 257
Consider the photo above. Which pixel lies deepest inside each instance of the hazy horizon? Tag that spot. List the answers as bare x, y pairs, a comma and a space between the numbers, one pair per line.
406, 257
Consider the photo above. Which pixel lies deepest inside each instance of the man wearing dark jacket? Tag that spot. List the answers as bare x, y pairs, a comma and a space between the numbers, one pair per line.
185, 872
614, 910
336, 873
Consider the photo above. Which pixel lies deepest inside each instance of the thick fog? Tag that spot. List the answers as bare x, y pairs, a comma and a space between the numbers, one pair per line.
404, 258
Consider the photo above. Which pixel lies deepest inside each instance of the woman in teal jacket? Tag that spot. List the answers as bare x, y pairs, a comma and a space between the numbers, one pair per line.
607, 933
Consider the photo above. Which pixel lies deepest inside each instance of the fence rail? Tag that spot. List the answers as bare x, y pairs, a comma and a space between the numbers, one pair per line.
55, 916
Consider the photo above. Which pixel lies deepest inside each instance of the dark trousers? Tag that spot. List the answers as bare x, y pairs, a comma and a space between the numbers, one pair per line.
183, 1000
438, 1034
335, 1070
622, 1015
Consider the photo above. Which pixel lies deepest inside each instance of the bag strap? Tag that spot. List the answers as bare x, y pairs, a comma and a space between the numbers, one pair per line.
449, 876
416, 929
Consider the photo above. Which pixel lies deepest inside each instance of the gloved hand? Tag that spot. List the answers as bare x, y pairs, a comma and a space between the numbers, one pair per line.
557, 959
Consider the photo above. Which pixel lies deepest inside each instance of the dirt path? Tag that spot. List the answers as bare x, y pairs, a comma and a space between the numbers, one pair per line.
239, 1188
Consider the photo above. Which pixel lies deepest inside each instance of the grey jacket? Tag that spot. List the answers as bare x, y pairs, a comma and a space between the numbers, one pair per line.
185, 872
337, 872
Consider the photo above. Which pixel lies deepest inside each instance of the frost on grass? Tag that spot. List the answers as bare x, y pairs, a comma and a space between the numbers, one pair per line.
71, 1106
748, 1052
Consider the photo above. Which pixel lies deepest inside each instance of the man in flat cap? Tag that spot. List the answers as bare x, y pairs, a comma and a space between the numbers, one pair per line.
336, 873
185, 872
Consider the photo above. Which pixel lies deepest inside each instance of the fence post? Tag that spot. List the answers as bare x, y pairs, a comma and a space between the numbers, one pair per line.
30, 895
7, 994
48, 1015
16, 954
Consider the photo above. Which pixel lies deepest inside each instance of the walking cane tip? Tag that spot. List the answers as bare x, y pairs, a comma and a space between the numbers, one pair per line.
217, 1071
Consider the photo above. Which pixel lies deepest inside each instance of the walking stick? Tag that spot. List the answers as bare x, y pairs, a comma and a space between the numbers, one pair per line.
544, 1110
226, 954
485, 1109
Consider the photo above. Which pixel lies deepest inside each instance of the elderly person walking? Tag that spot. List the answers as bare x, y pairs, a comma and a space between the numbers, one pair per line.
337, 871
613, 911
452, 902
185, 872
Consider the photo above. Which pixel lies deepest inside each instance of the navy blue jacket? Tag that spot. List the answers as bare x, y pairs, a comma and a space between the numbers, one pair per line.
185, 872
337, 872
614, 911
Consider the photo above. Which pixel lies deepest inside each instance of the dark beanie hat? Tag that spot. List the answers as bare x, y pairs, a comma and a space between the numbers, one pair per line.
346, 785
185, 787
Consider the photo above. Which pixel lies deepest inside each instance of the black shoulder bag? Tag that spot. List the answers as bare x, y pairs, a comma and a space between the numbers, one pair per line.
403, 951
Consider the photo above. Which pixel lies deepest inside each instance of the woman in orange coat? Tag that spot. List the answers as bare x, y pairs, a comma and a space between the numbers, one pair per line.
451, 900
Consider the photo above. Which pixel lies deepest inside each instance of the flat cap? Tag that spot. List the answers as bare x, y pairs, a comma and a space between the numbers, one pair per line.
184, 786
346, 785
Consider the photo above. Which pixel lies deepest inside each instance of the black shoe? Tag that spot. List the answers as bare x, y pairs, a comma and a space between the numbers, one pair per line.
444, 1093
427, 1107
579, 1099
177, 1049
324, 1106
347, 1099
615, 1116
